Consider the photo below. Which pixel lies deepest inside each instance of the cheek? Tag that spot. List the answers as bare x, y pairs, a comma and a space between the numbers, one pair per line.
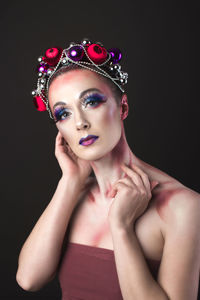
66, 133
109, 117
111, 126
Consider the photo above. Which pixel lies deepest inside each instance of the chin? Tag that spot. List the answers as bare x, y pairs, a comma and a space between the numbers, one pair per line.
96, 153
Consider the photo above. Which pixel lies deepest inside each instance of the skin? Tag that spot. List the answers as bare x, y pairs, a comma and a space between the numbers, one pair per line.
110, 150
90, 223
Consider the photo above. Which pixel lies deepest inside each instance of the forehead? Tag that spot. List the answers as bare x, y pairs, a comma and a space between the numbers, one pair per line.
71, 84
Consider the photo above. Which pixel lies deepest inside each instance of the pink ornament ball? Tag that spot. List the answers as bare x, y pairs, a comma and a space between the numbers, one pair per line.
52, 55
39, 104
97, 53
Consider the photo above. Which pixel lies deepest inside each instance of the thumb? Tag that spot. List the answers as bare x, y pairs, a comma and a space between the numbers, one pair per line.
153, 184
112, 193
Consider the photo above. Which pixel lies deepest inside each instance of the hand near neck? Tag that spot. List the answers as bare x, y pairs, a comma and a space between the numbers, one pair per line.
107, 169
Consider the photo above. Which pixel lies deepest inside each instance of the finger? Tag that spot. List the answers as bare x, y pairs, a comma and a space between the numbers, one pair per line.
133, 175
60, 144
154, 184
145, 178
126, 180
59, 138
115, 189
150, 185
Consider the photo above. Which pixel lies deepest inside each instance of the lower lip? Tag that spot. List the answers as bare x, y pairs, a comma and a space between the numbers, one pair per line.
89, 142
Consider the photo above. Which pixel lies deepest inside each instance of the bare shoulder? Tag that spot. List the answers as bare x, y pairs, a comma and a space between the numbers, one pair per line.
172, 202
185, 204
186, 200
177, 204
179, 209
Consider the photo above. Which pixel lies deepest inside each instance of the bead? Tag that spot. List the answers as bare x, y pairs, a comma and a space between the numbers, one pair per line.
64, 61
33, 93
117, 67
42, 68
52, 55
85, 42
97, 53
39, 104
116, 55
72, 44
40, 74
40, 59
76, 53
49, 71
123, 75
42, 80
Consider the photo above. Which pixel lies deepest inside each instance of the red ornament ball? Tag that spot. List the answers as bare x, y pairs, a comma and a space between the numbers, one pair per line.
39, 104
97, 53
52, 55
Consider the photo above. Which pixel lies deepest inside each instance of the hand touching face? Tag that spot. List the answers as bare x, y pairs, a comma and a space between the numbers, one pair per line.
87, 108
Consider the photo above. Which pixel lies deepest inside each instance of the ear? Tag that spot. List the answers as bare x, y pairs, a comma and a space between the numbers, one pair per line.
124, 108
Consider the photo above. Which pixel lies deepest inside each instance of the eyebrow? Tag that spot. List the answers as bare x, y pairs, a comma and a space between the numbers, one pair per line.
80, 96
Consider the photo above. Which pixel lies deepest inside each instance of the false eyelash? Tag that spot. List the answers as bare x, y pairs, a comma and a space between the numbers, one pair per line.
95, 97
57, 113
90, 96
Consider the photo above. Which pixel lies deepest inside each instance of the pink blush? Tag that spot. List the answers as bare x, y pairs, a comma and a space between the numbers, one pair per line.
162, 202
91, 197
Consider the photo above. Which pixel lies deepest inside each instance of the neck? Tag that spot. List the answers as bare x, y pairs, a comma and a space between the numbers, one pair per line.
107, 169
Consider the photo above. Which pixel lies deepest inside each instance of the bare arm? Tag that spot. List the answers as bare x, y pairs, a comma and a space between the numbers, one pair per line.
40, 253
135, 279
178, 275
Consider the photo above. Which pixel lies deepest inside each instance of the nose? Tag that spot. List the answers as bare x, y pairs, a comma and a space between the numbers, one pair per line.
82, 123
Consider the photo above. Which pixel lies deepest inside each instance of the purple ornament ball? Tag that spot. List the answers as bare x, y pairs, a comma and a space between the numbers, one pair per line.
76, 53
42, 68
116, 55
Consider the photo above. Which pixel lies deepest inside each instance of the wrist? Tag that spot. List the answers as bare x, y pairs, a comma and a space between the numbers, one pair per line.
72, 184
121, 228
70, 179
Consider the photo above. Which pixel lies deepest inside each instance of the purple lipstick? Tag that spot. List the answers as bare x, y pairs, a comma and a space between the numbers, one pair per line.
88, 140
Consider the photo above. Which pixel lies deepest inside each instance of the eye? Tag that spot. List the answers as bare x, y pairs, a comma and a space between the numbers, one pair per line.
61, 114
94, 100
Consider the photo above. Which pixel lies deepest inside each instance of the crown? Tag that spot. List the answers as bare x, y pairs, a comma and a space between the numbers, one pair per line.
84, 54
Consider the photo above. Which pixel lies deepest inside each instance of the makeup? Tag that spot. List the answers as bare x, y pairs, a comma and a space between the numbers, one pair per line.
90, 100
88, 140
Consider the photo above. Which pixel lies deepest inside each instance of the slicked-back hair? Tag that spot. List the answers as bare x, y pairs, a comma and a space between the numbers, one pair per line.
116, 92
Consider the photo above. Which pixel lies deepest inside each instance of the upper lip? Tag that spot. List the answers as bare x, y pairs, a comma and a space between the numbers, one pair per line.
90, 136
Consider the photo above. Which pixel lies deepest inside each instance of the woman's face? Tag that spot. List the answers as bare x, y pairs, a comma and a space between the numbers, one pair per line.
88, 108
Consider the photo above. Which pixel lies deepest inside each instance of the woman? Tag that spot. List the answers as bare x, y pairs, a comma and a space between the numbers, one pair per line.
116, 227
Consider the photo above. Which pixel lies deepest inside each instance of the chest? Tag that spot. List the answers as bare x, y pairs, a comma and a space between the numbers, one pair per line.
91, 227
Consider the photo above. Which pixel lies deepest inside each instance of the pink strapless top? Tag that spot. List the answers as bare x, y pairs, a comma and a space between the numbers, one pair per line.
88, 273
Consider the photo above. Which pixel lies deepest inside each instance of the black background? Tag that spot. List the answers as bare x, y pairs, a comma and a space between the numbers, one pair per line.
158, 40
